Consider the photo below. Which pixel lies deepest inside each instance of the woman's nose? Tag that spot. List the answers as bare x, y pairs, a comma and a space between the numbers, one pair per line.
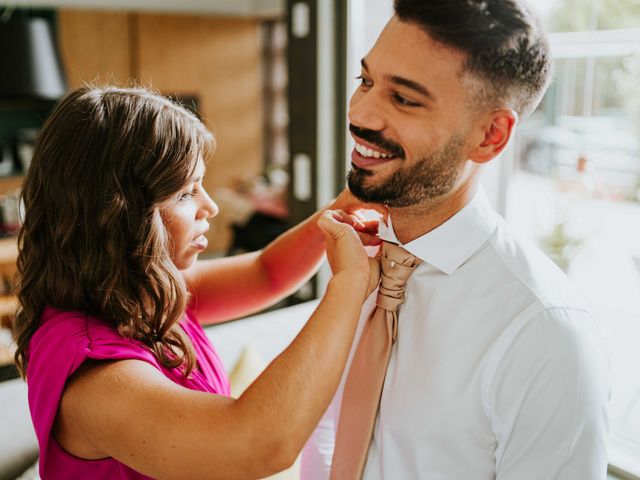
209, 208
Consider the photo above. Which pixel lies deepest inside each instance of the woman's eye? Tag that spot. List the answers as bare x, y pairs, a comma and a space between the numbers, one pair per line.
190, 194
403, 101
364, 82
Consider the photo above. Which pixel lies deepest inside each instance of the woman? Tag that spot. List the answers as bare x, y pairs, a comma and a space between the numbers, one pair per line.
123, 382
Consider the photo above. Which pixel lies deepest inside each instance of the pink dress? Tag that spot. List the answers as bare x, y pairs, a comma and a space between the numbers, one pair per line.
61, 344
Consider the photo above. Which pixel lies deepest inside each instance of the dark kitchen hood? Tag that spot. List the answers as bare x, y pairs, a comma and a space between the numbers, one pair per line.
30, 67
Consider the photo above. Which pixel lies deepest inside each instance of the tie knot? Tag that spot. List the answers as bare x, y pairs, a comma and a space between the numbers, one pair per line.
397, 266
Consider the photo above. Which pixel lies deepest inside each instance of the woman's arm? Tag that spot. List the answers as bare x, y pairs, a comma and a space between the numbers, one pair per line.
129, 411
235, 286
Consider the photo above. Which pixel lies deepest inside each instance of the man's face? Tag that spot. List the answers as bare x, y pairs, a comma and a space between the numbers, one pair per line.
409, 119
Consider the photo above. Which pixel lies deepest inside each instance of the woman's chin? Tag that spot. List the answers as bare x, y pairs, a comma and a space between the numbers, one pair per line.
186, 262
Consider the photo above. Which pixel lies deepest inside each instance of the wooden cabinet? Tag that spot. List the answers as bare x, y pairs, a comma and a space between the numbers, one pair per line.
95, 46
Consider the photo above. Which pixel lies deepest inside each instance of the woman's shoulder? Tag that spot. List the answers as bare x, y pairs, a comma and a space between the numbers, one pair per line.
70, 325
67, 338
63, 342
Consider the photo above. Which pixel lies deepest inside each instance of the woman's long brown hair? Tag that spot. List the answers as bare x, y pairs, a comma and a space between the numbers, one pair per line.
93, 239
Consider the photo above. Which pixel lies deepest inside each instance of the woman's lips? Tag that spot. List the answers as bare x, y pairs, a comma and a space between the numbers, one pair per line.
200, 242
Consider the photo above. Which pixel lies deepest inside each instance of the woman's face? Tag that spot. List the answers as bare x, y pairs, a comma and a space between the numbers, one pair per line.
186, 219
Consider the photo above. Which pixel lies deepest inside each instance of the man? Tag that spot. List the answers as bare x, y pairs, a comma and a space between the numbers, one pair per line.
497, 371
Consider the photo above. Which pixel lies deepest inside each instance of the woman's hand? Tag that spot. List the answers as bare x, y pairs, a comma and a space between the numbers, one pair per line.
367, 229
345, 251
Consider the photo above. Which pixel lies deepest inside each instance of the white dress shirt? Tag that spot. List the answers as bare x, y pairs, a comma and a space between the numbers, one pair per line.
498, 371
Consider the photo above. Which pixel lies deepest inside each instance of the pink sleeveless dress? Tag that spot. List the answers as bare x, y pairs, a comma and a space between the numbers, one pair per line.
61, 344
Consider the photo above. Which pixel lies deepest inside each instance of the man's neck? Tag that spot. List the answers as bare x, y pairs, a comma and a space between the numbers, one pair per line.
412, 222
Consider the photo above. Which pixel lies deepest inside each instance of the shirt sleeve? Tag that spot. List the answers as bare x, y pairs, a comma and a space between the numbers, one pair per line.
547, 398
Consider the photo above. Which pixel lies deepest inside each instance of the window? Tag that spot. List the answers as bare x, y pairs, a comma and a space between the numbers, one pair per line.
575, 184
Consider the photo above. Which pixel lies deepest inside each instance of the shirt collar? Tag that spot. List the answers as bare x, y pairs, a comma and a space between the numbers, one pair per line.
448, 246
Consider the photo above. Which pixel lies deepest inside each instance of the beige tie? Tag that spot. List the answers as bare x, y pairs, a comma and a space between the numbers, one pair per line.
363, 386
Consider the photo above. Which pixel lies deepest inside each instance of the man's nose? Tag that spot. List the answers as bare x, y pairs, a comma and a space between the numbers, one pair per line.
366, 111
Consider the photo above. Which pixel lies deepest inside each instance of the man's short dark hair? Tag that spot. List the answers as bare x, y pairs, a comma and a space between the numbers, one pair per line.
505, 45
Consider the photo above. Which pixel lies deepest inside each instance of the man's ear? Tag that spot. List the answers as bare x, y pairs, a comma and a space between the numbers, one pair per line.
494, 135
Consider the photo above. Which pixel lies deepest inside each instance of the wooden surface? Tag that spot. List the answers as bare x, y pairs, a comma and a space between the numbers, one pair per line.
8, 257
8, 250
8, 306
10, 183
94, 46
6, 356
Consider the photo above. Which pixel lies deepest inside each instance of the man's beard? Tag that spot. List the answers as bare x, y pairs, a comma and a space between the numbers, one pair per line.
430, 177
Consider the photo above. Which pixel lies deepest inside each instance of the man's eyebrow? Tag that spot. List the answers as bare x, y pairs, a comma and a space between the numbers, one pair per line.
405, 82
415, 86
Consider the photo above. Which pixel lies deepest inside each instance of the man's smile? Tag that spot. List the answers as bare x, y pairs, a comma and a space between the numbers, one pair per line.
369, 152
366, 155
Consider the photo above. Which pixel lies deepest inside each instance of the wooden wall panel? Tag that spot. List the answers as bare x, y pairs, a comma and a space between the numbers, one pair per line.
219, 60
95, 46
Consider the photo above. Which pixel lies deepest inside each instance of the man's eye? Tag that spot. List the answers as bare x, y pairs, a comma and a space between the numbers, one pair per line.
399, 99
364, 82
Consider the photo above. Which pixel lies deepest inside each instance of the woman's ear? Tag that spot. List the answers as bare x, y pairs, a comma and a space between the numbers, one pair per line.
495, 133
